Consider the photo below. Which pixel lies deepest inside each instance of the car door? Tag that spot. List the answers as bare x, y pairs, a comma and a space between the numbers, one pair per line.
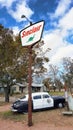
37, 102
47, 101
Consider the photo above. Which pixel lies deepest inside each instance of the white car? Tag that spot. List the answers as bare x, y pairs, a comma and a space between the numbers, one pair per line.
40, 100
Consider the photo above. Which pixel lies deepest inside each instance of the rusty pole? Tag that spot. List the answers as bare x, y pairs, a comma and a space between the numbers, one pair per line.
29, 88
29, 80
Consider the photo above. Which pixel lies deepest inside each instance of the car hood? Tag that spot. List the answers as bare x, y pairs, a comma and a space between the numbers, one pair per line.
57, 97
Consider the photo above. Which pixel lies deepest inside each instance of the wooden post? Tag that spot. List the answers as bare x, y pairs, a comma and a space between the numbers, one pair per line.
29, 88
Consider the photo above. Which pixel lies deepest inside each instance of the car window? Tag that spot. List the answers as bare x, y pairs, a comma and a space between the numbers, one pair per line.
37, 97
24, 97
45, 96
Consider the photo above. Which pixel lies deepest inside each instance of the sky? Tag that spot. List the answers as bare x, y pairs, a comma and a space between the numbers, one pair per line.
58, 28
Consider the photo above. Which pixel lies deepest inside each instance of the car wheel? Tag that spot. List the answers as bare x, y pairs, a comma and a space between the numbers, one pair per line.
60, 105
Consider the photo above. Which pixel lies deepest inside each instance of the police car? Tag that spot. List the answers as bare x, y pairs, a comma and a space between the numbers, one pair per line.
40, 101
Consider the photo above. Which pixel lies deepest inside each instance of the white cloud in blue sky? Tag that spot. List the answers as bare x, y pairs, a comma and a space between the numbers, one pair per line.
17, 10
58, 16
7, 3
57, 38
62, 7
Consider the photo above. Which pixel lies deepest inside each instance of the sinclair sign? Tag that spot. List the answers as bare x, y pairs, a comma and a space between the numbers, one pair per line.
32, 34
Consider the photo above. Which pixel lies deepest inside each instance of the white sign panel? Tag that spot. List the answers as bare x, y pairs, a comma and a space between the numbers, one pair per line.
32, 34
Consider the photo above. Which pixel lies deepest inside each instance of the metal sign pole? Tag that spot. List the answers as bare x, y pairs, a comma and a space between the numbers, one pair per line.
29, 88
30, 36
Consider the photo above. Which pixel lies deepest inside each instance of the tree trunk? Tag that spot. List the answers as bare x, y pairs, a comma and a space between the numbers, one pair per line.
6, 94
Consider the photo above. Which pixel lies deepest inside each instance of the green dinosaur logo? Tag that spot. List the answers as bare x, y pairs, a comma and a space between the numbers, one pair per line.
31, 38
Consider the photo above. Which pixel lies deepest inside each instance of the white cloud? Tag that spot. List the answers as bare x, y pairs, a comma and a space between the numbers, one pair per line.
59, 46
67, 21
21, 8
62, 52
15, 30
62, 7
56, 39
53, 40
6, 3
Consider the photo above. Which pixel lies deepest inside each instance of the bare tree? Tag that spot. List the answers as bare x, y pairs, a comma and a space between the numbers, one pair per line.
67, 73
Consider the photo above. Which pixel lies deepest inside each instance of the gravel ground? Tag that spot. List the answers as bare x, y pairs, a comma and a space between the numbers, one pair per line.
50, 120
10, 125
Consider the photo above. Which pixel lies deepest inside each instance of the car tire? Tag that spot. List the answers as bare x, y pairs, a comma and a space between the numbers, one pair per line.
60, 105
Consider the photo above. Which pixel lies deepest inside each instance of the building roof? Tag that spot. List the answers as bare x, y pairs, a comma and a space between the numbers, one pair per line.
37, 85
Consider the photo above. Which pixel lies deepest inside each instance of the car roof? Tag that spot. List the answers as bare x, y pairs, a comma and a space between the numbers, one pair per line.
34, 94
38, 93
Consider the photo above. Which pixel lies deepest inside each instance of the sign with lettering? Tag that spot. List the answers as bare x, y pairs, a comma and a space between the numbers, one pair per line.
32, 34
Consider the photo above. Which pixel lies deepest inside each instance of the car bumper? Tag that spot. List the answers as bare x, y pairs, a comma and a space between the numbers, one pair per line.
13, 110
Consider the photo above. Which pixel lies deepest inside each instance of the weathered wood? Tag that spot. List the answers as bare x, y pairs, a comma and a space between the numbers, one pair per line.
67, 113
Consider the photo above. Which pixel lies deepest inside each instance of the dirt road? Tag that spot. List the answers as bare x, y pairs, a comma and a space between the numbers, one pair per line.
10, 125
51, 121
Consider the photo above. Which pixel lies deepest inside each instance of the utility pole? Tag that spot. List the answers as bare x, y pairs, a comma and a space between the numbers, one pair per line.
29, 80
29, 36
29, 88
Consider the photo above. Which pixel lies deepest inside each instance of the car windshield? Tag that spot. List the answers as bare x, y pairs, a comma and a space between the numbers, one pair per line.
18, 102
45, 96
23, 97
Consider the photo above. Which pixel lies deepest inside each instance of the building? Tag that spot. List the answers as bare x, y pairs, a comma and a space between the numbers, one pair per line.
38, 87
